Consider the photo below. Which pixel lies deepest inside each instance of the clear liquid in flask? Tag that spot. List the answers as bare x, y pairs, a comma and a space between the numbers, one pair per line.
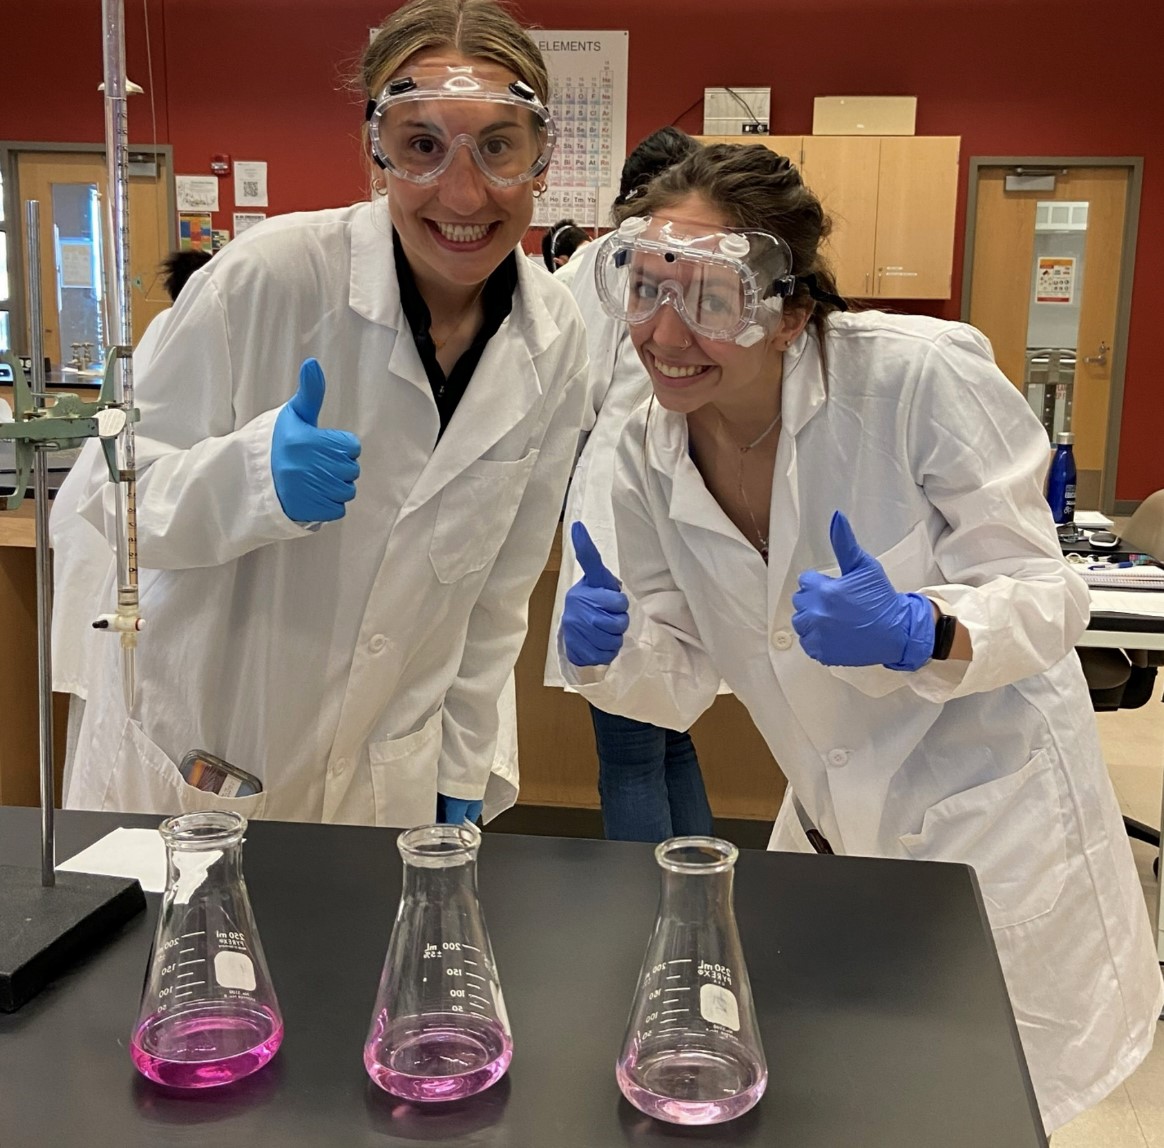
209, 1044
437, 1057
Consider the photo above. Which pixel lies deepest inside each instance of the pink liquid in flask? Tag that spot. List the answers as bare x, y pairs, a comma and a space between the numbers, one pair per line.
215, 1042
440, 1056
697, 1085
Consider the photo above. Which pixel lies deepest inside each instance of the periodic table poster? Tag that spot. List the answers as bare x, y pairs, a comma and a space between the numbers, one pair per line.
588, 81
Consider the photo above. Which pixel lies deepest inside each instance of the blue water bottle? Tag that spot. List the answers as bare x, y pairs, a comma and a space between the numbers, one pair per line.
1061, 480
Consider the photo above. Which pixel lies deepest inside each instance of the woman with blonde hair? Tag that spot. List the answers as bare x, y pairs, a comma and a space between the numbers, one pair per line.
359, 429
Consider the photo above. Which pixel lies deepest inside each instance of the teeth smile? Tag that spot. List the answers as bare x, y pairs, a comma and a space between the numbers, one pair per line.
463, 233
674, 372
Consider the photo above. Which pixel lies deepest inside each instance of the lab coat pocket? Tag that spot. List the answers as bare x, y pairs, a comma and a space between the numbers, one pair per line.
476, 511
909, 564
1012, 831
404, 775
145, 780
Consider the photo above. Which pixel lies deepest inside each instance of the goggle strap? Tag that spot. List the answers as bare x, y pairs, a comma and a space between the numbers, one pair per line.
820, 294
369, 110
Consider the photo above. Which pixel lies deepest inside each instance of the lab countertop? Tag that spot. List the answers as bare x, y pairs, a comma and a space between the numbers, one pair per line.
881, 1004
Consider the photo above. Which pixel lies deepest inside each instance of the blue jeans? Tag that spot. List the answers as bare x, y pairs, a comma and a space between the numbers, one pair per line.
648, 781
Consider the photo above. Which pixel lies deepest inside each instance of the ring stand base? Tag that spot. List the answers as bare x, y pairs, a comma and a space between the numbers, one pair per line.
44, 930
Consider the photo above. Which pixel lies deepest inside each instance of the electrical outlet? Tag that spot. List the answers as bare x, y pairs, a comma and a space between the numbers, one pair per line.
759, 128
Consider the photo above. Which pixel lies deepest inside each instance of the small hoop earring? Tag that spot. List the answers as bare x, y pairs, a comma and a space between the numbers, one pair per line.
380, 186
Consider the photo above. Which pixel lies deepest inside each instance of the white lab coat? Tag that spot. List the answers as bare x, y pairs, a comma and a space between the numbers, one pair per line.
355, 668
938, 463
618, 383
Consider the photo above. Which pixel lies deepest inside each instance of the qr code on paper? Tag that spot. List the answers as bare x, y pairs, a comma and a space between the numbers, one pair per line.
250, 189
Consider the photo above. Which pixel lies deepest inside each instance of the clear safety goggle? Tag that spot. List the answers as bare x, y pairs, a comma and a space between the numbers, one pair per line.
417, 125
723, 284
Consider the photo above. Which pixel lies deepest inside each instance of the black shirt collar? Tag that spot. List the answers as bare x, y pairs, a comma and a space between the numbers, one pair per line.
496, 302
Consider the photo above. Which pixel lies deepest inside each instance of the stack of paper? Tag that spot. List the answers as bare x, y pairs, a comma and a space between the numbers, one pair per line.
1127, 578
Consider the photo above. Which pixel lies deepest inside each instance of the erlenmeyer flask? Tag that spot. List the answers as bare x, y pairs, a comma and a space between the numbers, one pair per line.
208, 1012
692, 1052
439, 1029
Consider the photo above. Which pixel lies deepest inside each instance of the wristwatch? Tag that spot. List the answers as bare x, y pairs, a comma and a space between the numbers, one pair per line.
944, 629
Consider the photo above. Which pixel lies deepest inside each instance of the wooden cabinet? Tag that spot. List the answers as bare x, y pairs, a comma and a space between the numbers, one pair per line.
917, 195
892, 200
843, 171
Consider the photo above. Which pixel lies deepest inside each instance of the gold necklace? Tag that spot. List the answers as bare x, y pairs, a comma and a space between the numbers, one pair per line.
439, 343
761, 537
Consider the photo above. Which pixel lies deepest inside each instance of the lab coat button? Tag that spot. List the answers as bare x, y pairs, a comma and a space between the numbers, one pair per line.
377, 643
782, 640
838, 757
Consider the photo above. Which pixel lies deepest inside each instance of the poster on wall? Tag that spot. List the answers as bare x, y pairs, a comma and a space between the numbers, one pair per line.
245, 220
196, 193
195, 233
588, 81
76, 259
250, 184
1055, 279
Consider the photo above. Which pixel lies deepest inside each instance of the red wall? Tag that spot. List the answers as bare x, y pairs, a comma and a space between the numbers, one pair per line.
262, 80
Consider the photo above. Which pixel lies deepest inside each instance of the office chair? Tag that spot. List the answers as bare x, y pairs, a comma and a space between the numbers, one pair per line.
1124, 679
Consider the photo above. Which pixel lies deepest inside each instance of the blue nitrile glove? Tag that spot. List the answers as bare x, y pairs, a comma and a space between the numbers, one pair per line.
594, 617
859, 619
315, 470
453, 811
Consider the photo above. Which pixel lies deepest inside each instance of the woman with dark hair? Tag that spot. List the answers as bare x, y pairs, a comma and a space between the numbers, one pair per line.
842, 516
560, 242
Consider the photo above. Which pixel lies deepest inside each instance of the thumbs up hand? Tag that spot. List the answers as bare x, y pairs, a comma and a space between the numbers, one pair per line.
595, 615
859, 619
315, 470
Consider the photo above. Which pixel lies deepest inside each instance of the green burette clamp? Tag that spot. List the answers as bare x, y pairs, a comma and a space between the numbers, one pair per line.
63, 425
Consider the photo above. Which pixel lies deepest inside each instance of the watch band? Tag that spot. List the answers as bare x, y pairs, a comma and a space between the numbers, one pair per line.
944, 629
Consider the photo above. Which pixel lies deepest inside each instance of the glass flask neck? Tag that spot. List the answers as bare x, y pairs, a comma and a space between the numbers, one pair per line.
698, 874
203, 855
440, 846
198, 832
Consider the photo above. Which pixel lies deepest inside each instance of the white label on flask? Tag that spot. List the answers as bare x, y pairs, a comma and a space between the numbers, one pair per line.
718, 1005
234, 970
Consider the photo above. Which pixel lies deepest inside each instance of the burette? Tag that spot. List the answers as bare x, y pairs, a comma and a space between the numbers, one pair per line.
126, 621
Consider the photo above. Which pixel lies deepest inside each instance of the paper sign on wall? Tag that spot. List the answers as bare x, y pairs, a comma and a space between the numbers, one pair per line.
250, 184
76, 264
245, 220
196, 193
1055, 279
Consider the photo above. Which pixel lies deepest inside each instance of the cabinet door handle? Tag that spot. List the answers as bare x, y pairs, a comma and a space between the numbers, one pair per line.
866, 282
